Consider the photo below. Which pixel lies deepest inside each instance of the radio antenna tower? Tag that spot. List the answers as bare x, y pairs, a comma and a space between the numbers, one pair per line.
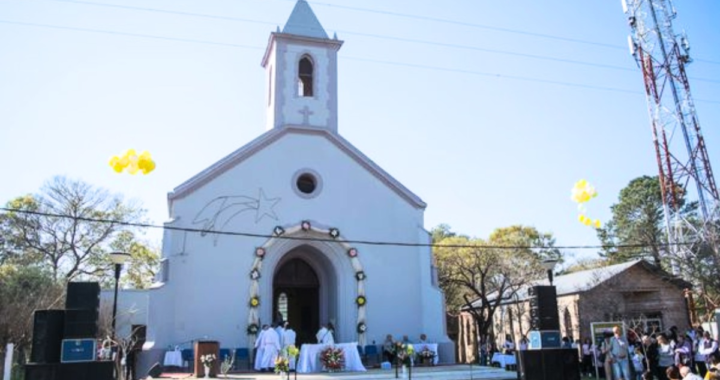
682, 158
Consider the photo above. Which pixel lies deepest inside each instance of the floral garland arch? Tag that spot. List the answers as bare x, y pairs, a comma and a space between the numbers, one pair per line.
255, 273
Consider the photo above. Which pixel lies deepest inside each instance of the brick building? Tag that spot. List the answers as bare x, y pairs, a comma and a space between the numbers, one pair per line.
637, 292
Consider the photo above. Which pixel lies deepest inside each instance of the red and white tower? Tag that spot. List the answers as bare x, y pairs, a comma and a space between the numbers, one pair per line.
682, 158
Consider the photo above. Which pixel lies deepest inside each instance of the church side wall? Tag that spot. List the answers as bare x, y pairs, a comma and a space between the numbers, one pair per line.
210, 279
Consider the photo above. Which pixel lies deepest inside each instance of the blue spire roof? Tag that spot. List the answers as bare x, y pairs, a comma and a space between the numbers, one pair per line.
303, 22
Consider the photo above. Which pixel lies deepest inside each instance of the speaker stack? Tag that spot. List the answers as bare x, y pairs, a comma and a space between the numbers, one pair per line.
544, 359
543, 308
63, 344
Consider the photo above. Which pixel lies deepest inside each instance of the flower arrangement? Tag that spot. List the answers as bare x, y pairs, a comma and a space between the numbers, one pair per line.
292, 351
253, 329
361, 301
254, 301
207, 360
282, 365
305, 225
334, 233
352, 252
426, 355
404, 352
361, 328
227, 363
360, 276
260, 252
332, 359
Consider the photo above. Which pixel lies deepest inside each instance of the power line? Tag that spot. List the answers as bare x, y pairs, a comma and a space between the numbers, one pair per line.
426, 67
376, 36
361, 242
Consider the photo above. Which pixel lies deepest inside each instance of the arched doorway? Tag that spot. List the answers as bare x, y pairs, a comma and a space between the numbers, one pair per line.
296, 298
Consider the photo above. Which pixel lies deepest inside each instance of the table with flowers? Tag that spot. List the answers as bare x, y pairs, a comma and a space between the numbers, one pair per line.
432, 347
309, 360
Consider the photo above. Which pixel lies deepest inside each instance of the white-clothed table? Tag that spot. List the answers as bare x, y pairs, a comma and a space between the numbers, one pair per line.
173, 359
309, 360
419, 347
503, 360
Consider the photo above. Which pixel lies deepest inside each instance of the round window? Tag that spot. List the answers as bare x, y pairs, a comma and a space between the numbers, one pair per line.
306, 183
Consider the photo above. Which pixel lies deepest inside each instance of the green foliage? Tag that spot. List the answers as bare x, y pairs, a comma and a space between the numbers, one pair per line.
637, 220
486, 272
68, 247
144, 261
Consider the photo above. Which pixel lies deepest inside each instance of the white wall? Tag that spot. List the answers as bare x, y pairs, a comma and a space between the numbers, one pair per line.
209, 283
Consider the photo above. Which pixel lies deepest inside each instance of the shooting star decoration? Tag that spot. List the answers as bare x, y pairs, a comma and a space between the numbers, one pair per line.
218, 213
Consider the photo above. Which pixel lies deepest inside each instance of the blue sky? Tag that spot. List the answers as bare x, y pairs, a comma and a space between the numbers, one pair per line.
482, 115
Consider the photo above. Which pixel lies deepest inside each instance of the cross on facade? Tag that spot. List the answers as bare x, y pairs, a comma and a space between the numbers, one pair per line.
306, 115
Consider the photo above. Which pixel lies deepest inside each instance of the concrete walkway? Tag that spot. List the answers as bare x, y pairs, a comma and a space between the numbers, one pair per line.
453, 372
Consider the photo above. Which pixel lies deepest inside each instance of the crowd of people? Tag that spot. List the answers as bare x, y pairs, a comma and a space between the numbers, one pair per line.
665, 356
270, 341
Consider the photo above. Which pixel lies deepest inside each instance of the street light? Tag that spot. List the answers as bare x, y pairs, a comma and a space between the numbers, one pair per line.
118, 258
549, 265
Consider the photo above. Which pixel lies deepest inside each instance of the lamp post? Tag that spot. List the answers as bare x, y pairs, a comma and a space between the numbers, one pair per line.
549, 266
118, 259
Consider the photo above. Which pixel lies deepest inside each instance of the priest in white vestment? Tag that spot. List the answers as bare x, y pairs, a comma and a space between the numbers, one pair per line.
259, 348
270, 344
280, 330
289, 340
325, 335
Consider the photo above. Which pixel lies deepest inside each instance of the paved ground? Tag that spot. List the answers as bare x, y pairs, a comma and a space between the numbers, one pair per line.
454, 372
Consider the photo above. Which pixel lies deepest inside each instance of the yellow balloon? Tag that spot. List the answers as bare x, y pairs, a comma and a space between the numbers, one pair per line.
133, 163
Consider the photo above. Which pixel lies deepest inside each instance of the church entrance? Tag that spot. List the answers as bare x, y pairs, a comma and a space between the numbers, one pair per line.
296, 299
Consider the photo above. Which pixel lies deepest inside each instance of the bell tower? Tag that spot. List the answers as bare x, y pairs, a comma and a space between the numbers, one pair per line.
301, 66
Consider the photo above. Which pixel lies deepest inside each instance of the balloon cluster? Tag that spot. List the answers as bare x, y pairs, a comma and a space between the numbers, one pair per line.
133, 162
582, 193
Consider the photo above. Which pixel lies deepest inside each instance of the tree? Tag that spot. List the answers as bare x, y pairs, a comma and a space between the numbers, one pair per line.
71, 245
144, 261
22, 291
637, 221
479, 275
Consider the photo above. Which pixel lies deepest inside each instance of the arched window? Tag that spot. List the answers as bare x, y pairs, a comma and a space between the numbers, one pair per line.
282, 305
305, 77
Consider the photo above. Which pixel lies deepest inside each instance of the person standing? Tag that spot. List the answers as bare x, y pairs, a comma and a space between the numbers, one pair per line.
620, 355
706, 347
389, 349
259, 348
288, 340
270, 343
280, 330
666, 357
325, 335
606, 355
586, 355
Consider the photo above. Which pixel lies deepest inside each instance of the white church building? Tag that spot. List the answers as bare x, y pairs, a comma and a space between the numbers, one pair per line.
300, 208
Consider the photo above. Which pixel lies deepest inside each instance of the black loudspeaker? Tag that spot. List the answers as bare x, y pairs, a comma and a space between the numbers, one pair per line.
34, 371
530, 365
48, 332
570, 362
81, 323
100, 370
543, 308
554, 364
155, 371
83, 295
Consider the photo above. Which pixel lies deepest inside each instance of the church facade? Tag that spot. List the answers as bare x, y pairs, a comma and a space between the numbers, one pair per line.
299, 209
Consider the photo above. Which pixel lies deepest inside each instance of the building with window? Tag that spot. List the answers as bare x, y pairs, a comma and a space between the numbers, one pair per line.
636, 292
273, 231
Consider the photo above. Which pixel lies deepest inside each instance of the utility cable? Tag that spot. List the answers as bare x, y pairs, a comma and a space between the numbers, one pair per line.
301, 238
376, 36
427, 67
